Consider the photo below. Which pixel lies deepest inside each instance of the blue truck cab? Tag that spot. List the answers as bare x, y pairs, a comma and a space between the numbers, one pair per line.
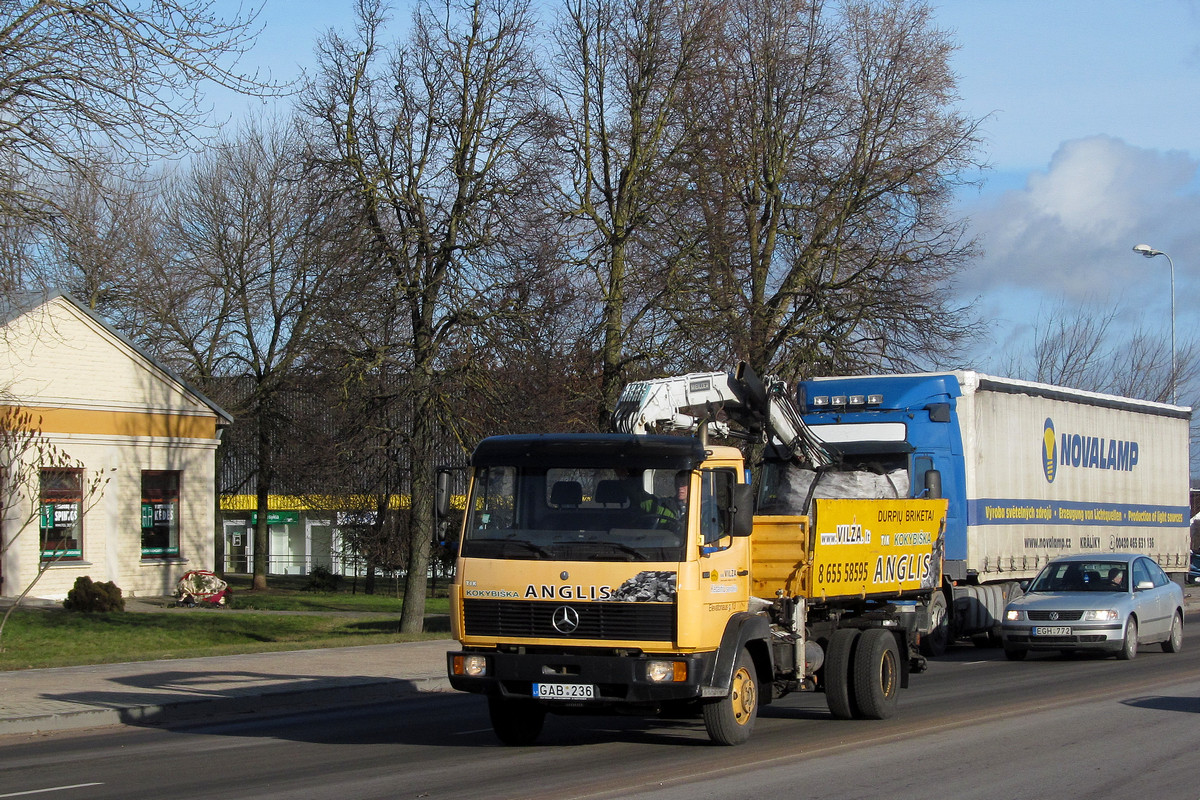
908, 421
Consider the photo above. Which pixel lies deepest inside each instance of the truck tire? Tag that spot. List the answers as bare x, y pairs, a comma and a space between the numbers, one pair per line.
517, 723
876, 674
730, 720
934, 643
839, 688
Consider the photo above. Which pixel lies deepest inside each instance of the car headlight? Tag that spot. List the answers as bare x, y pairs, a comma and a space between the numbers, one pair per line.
1104, 615
1013, 615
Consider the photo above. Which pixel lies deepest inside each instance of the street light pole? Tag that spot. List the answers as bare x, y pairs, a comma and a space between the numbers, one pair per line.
1150, 252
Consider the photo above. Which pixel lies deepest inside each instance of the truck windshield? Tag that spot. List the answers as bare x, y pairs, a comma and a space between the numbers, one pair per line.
576, 514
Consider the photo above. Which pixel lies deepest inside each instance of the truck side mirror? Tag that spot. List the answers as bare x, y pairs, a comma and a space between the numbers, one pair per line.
741, 510
933, 484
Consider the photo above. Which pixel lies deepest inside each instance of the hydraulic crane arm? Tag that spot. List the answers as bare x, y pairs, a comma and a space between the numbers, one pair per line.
685, 402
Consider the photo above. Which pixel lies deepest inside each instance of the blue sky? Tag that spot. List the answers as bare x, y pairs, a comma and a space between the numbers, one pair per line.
1093, 137
1091, 115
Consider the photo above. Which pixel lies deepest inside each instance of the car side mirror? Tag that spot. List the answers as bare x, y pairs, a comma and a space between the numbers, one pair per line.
1143, 585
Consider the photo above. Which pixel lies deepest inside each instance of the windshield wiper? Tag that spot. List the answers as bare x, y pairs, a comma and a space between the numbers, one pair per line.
530, 546
624, 548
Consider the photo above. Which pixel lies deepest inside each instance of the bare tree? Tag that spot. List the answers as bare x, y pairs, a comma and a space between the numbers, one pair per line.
105, 233
824, 174
1081, 347
438, 143
622, 68
249, 255
97, 82
1070, 347
26, 453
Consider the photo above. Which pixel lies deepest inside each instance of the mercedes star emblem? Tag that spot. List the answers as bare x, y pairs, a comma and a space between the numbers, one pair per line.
565, 619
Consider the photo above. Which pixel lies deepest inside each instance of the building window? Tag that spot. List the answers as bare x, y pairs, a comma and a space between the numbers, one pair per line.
62, 518
160, 514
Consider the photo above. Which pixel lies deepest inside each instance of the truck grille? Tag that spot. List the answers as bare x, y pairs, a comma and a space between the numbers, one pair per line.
646, 622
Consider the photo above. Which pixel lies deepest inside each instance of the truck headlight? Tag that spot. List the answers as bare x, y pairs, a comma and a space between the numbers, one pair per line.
1013, 615
472, 665
666, 671
1104, 615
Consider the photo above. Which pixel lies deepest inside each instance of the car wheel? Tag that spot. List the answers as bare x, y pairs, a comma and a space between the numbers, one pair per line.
1129, 647
1174, 642
1015, 653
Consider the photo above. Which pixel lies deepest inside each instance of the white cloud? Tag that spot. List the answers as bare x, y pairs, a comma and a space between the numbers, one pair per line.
1069, 231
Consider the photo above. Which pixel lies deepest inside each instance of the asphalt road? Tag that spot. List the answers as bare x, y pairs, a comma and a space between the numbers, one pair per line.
973, 726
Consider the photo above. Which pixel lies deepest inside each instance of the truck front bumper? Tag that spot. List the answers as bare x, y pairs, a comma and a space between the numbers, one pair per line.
616, 679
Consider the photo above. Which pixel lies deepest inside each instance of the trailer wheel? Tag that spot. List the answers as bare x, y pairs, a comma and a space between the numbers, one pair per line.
876, 674
839, 688
730, 720
517, 723
934, 643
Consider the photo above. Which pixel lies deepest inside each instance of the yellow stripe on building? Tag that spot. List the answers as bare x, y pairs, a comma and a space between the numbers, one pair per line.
285, 502
118, 423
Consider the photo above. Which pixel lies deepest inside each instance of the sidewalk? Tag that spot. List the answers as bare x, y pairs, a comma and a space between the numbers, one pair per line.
188, 688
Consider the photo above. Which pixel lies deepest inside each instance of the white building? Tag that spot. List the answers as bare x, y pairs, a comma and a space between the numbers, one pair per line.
115, 474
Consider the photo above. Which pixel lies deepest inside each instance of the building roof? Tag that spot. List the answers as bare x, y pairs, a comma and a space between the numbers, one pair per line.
15, 305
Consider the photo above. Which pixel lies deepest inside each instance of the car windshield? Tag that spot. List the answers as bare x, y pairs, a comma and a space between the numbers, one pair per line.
576, 514
1082, 576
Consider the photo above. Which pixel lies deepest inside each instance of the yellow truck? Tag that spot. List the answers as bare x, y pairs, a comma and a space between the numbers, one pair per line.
626, 572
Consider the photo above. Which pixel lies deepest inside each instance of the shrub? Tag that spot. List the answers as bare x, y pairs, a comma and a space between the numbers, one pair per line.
87, 595
321, 579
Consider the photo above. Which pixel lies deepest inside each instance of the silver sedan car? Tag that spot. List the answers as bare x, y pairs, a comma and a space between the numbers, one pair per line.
1109, 603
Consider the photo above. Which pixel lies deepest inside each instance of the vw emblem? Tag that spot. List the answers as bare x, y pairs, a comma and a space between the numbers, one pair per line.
565, 619
1053, 615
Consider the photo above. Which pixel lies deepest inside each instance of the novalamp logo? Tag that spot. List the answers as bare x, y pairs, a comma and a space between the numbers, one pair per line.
1049, 456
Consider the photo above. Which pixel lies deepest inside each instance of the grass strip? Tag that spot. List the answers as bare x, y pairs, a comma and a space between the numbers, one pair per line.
36, 638
296, 600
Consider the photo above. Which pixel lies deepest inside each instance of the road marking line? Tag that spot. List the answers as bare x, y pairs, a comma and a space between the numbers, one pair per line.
51, 789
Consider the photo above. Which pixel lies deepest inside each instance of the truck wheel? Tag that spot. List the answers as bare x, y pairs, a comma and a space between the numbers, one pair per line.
1174, 642
517, 723
876, 674
1129, 647
839, 689
730, 720
934, 643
